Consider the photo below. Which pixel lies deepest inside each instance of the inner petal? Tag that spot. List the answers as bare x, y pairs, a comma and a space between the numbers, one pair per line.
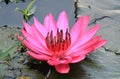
62, 22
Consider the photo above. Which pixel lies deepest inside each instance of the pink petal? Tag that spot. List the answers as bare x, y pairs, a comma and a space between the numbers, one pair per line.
50, 23
30, 39
65, 60
20, 38
62, 22
89, 43
79, 58
33, 43
79, 28
56, 61
38, 36
34, 48
101, 43
77, 52
27, 44
40, 27
38, 56
88, 35
62, 68
85, 37
28, 28
81, 50
92, 41
53, 61
95, 46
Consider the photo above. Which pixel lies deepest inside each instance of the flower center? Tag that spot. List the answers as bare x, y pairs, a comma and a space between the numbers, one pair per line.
58, 43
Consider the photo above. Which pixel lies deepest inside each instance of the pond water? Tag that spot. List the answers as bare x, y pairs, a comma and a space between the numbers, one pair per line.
10, 17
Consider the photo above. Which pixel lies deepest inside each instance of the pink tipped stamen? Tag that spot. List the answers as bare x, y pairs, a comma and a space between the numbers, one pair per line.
57, 43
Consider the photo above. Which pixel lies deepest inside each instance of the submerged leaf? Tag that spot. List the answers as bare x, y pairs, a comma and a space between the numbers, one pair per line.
7, 52
1, 51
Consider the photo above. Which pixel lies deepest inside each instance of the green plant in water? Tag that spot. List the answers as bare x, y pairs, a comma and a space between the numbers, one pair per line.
28, 11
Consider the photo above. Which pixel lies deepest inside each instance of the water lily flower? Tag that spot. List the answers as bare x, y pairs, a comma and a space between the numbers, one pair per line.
56, 44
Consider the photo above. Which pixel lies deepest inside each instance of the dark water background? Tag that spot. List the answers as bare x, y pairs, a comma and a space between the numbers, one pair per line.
10, 17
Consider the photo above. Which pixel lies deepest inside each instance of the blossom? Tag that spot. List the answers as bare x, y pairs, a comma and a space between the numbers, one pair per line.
56, 44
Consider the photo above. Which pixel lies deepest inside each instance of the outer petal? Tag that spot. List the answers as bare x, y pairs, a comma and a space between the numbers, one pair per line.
62, 22
62, 68
53, 61
79, 58
34, 48
77, 52
40, 27
50, 23
56, 60
33, 43
65, 60
32, 40
82, 39
38, 36
88, 47
95, 46
79, 28
27, 44
38, 56
89, 43
28, 28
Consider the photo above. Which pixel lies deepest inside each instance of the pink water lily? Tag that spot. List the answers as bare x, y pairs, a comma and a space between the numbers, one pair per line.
54, 43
